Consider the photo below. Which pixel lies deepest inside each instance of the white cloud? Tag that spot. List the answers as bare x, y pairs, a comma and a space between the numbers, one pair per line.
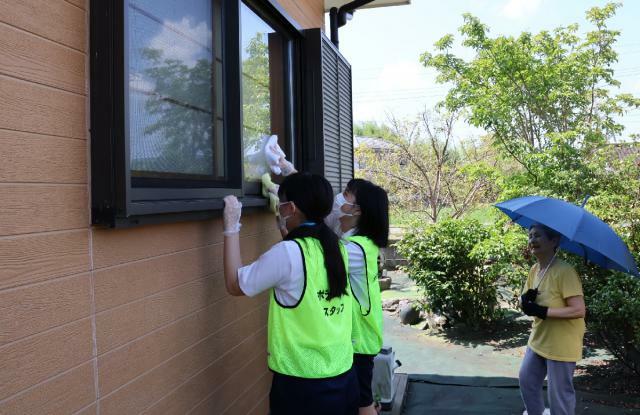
174, 46
402, 88
139, 82
517, 9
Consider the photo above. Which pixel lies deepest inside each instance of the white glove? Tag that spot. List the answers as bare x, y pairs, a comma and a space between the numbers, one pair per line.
287, 167
273, 154
231, 215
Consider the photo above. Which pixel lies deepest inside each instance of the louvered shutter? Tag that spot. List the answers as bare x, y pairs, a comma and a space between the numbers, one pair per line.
327, 143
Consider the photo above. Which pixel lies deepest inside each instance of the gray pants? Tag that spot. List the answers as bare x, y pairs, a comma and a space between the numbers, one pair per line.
562, 396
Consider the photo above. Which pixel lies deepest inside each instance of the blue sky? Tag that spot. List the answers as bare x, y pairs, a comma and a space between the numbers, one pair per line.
383, 46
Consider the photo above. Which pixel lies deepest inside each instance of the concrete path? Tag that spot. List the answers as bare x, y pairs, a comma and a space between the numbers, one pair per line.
459, 352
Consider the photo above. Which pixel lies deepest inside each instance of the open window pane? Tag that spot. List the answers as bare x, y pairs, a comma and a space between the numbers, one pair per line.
173, 76
263, 54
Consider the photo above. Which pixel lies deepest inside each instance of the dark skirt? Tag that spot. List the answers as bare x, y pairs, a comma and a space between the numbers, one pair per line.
292, 395
363, 365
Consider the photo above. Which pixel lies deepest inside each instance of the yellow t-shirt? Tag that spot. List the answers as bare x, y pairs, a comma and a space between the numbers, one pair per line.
556, 338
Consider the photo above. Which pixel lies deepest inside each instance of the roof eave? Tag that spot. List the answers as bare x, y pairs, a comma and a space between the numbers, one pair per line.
328, 4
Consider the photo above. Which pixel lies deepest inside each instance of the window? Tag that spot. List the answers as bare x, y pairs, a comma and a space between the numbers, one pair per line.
266, 53
180, 93
174, 91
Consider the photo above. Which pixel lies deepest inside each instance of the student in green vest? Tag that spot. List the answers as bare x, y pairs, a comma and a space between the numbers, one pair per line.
360, 215
309, 329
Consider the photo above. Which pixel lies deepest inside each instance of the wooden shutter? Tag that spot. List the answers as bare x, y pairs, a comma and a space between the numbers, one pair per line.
327, 143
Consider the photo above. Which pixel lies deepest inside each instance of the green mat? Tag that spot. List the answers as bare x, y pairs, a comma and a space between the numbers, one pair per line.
443, 395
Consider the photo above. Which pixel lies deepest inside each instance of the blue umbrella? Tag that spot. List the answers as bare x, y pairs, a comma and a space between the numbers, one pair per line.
582, 233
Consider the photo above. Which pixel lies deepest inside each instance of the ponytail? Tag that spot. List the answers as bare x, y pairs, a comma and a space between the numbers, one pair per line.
313, 195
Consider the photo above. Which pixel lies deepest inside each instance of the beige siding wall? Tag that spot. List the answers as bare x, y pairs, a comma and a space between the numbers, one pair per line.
101, 321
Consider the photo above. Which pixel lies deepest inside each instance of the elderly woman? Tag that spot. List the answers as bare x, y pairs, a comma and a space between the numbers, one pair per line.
553, 295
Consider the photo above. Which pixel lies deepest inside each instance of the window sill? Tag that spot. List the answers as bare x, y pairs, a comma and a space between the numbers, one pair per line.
207, 210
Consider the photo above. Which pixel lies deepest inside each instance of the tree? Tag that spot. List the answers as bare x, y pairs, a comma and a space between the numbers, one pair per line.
256, 92
180, 106
422, 168
547, 101
545, 98
371, 129
180, 109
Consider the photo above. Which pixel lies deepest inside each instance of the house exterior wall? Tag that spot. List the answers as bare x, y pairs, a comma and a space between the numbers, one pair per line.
104, 321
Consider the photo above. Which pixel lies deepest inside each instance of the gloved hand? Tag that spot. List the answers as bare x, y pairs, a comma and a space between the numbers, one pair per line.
273, 153
532, 309
276, 159
231, 215
528, 296
270, 191
286, 167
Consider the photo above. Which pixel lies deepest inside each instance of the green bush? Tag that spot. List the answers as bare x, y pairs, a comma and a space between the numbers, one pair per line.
442, 261
613, 310
506, 260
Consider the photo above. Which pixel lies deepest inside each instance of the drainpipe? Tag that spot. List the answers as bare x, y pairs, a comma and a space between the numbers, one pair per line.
338, 17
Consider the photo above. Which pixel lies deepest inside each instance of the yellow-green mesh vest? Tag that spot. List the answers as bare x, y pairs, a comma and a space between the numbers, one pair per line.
366, 333
311, 339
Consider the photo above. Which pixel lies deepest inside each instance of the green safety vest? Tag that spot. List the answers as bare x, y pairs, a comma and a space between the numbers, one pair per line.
366, 334
311, 339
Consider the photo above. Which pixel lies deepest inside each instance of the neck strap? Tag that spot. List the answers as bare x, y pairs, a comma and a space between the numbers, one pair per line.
544, 272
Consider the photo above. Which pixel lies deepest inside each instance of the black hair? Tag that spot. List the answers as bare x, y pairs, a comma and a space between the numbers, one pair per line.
374, 211
313, 195
548, 232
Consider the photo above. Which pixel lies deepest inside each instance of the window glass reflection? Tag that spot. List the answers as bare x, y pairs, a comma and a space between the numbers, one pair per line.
171, 111
262, 52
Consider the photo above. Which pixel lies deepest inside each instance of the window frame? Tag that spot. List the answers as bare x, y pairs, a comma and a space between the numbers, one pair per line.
116, 202
273, 15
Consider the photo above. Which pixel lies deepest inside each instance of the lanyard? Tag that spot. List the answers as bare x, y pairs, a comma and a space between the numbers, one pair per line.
544, 272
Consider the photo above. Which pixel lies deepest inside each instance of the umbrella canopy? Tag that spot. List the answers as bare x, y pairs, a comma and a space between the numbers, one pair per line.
582, 233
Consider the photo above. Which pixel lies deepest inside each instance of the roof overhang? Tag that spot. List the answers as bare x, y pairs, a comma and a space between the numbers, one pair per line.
328, 4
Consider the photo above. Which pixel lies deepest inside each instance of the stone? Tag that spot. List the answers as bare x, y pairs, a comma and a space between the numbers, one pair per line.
391, 305
385, 283
409, 314
433, 321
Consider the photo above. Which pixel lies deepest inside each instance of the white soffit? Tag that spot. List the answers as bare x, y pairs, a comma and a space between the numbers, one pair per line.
328, 4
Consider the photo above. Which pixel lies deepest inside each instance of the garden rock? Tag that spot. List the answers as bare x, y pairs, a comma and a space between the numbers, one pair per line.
409, 314
391, 305
385, 283
433, 321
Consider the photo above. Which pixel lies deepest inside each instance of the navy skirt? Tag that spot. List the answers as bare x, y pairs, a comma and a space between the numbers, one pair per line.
363, 366
292, 395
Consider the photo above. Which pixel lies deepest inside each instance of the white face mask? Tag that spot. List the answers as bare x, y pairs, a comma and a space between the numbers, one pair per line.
282, 220
333, 219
